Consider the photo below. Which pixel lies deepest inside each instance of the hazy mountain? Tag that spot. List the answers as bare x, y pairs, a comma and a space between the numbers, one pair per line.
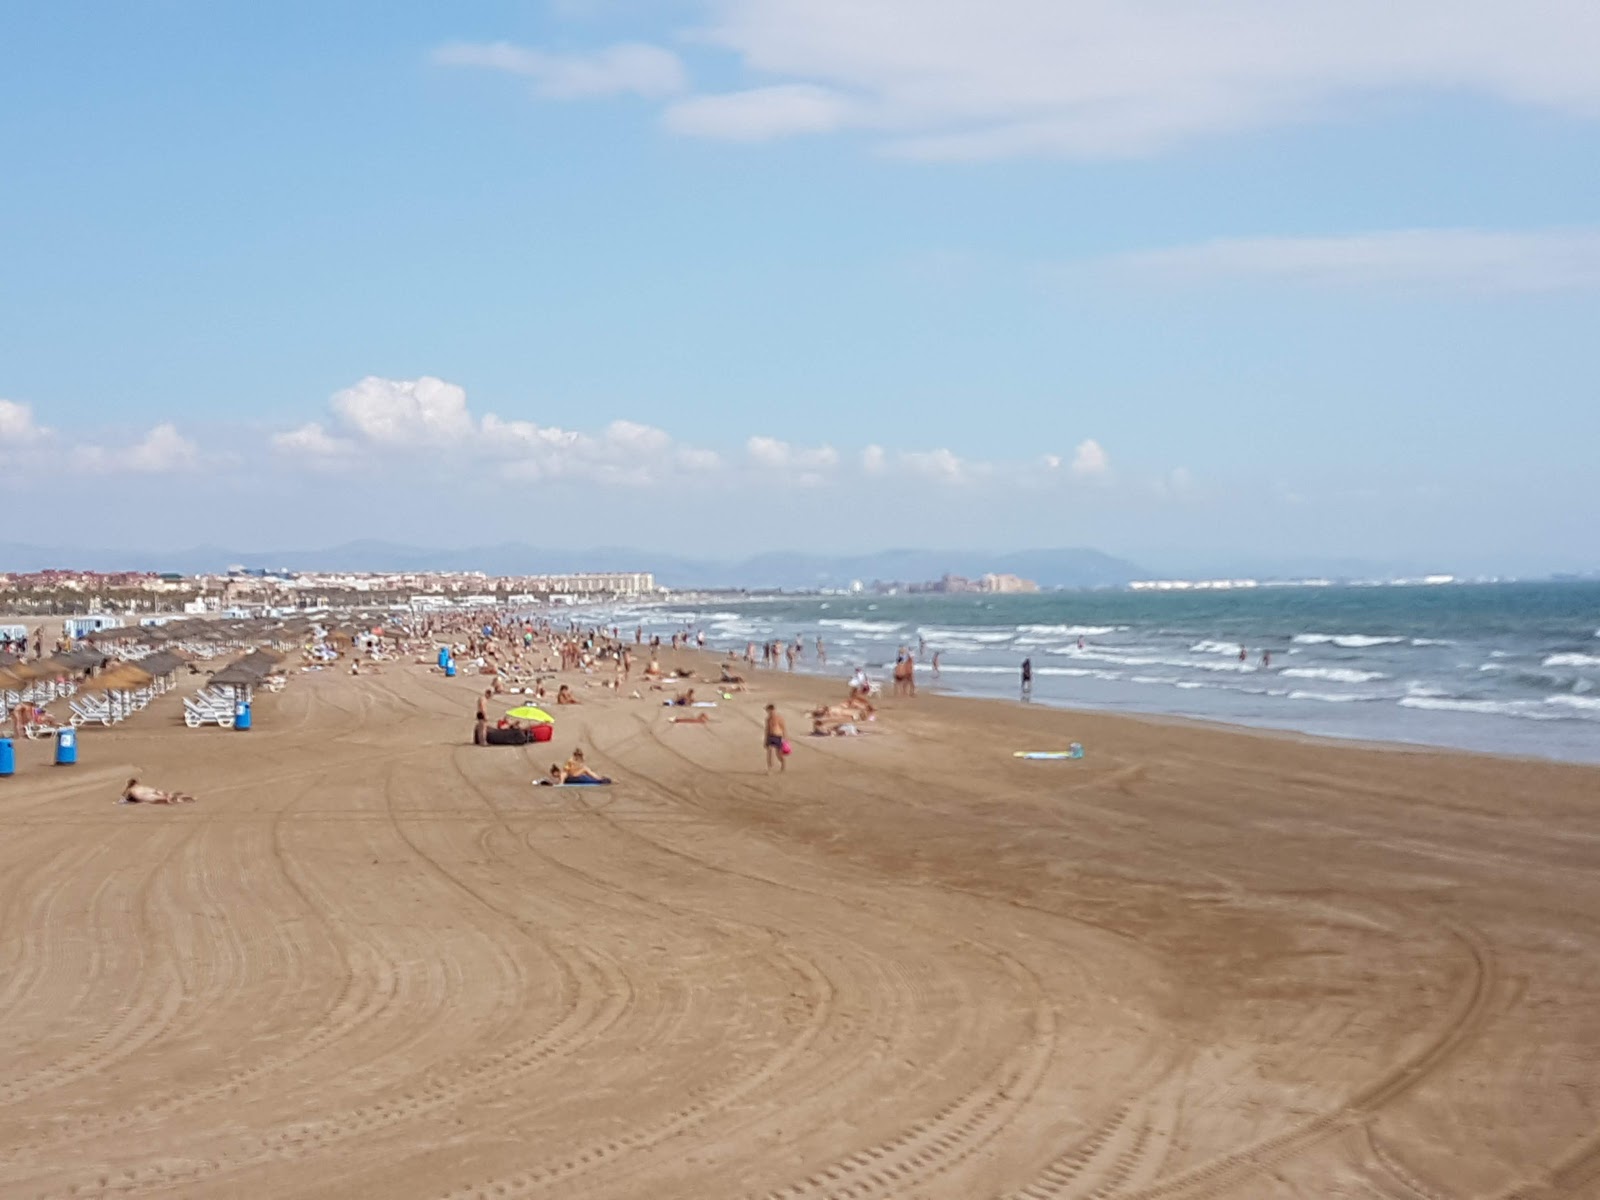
1050, 568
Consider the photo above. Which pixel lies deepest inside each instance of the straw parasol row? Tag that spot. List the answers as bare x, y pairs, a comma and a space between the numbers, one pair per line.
123, 677
248, 671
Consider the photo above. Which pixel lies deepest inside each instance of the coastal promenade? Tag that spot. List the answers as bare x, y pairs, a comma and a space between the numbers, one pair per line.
374, 961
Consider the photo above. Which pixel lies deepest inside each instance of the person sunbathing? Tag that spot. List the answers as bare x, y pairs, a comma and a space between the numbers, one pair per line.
564, 696
139, 793
683, 699
578, 771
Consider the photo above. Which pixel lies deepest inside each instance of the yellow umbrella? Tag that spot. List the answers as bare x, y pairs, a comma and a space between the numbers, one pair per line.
529, 713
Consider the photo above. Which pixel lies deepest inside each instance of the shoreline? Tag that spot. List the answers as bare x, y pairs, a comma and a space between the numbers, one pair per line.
375, 937
1287, 726
1144, 720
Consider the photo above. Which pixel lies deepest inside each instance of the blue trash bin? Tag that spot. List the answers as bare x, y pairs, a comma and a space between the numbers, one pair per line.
8, 757
66, 746
450, 668
444, 658
241, 715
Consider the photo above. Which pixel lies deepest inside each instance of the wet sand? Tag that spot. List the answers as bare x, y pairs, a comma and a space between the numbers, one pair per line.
374, 961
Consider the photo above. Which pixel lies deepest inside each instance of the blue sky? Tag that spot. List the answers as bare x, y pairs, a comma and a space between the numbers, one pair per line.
1192, 286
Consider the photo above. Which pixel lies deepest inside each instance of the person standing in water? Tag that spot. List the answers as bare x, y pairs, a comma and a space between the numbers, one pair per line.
1027, 679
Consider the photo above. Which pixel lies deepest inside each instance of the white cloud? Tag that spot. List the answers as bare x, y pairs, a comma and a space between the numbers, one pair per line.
1089, 460
760, 114
629, 67
313, 441
1465, 259
405, 412
943, 466
378, 419
954, 79
17, 426
772, 454
161, 450
385, 421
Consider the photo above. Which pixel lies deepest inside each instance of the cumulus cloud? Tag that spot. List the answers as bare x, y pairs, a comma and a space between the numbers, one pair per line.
17, 426
381, 421
760, 114
626, 68
1462, 259
956, 80
160, 450
1090, 461
377, 419
772, 454
405, 412
314, 442
944, 466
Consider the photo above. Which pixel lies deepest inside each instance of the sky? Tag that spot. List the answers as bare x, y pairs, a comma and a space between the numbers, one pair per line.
1240, 282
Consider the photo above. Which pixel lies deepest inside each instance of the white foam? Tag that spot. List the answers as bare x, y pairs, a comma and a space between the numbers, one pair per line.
935, 635
1349, 641
1334, 674
862, 626
1149, 660
1497, 708
1431, 642
1333, 697
1208, 647
1064, 672
1587, 703
1417, 688
1572, 660
1076, 630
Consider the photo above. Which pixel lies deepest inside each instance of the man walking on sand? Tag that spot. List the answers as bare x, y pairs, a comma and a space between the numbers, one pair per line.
774, 739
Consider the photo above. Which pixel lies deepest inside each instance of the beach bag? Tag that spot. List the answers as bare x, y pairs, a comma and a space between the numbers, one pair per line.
786, 748
543, 732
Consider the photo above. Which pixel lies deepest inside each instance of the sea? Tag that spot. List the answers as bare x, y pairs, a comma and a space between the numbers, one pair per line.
1505, 668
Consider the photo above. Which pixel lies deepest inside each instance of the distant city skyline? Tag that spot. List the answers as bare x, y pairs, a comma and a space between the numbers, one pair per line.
732, 276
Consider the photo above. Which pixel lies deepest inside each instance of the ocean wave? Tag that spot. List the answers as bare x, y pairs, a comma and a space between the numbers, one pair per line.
1057, 672
1432, 642
1586, 703
1215, 648
1417, 688
1070, 630
984, 637
862, 626
1492, 708
1349, 641
1334, 697
1334, 674
1146, 660
1572, 660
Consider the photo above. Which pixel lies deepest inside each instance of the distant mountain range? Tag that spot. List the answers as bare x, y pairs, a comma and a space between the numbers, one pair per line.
1048, 568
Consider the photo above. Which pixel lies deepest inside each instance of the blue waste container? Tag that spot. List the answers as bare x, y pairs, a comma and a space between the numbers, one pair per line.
444, 657
8, 757
66, 746
450, 668
241, 715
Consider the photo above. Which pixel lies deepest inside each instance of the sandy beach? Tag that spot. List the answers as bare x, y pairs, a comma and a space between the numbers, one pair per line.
374, 961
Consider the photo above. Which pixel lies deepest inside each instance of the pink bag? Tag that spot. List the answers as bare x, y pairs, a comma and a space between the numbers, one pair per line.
786, 748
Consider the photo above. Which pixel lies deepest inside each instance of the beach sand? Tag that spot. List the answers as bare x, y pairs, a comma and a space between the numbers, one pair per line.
374, 961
